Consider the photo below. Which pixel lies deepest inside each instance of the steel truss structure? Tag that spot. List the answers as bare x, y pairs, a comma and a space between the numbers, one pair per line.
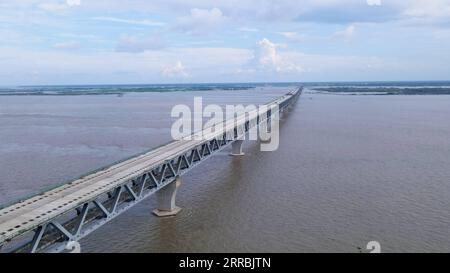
85, 216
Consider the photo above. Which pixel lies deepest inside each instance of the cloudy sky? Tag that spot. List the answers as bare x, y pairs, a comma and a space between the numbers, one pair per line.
184, 41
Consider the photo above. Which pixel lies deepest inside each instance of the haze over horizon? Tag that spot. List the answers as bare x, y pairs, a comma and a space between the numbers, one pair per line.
51, 42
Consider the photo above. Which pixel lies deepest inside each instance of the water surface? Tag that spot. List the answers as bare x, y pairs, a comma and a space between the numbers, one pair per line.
349, 170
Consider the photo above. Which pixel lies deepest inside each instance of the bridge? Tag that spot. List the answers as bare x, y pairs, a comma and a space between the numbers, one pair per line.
55, 220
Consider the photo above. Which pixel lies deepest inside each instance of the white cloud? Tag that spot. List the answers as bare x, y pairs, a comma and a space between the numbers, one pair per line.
56, 6
267, 58
437, 9
409, 25
176, 71
209, 64
145, 22
335, 11
200, 21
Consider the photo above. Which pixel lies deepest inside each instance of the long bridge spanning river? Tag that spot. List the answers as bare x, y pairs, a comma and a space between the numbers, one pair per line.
55, 220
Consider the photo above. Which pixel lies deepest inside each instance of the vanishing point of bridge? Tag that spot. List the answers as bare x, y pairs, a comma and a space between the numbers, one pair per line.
56, 219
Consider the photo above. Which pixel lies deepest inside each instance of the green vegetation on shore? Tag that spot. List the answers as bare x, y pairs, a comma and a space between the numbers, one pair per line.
386, 90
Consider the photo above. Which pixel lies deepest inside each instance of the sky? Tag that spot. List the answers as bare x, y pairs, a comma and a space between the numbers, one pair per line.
193, 41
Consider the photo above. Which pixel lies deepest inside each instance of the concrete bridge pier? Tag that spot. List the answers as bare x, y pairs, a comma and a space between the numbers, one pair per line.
236, 148
73, 247
282, 112
166, 199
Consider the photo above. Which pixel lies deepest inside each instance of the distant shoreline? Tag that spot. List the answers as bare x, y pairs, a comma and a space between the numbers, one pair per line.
384, 91
339, 88
123, 89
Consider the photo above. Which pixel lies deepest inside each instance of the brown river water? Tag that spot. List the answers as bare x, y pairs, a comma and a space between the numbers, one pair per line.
349, 170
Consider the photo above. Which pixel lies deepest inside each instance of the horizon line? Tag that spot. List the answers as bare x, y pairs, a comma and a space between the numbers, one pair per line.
206, 83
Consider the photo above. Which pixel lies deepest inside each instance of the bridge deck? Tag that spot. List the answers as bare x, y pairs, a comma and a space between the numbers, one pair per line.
29, 214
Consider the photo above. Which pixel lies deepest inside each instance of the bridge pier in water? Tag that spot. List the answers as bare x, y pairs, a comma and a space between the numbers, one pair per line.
236, 148
166, 199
